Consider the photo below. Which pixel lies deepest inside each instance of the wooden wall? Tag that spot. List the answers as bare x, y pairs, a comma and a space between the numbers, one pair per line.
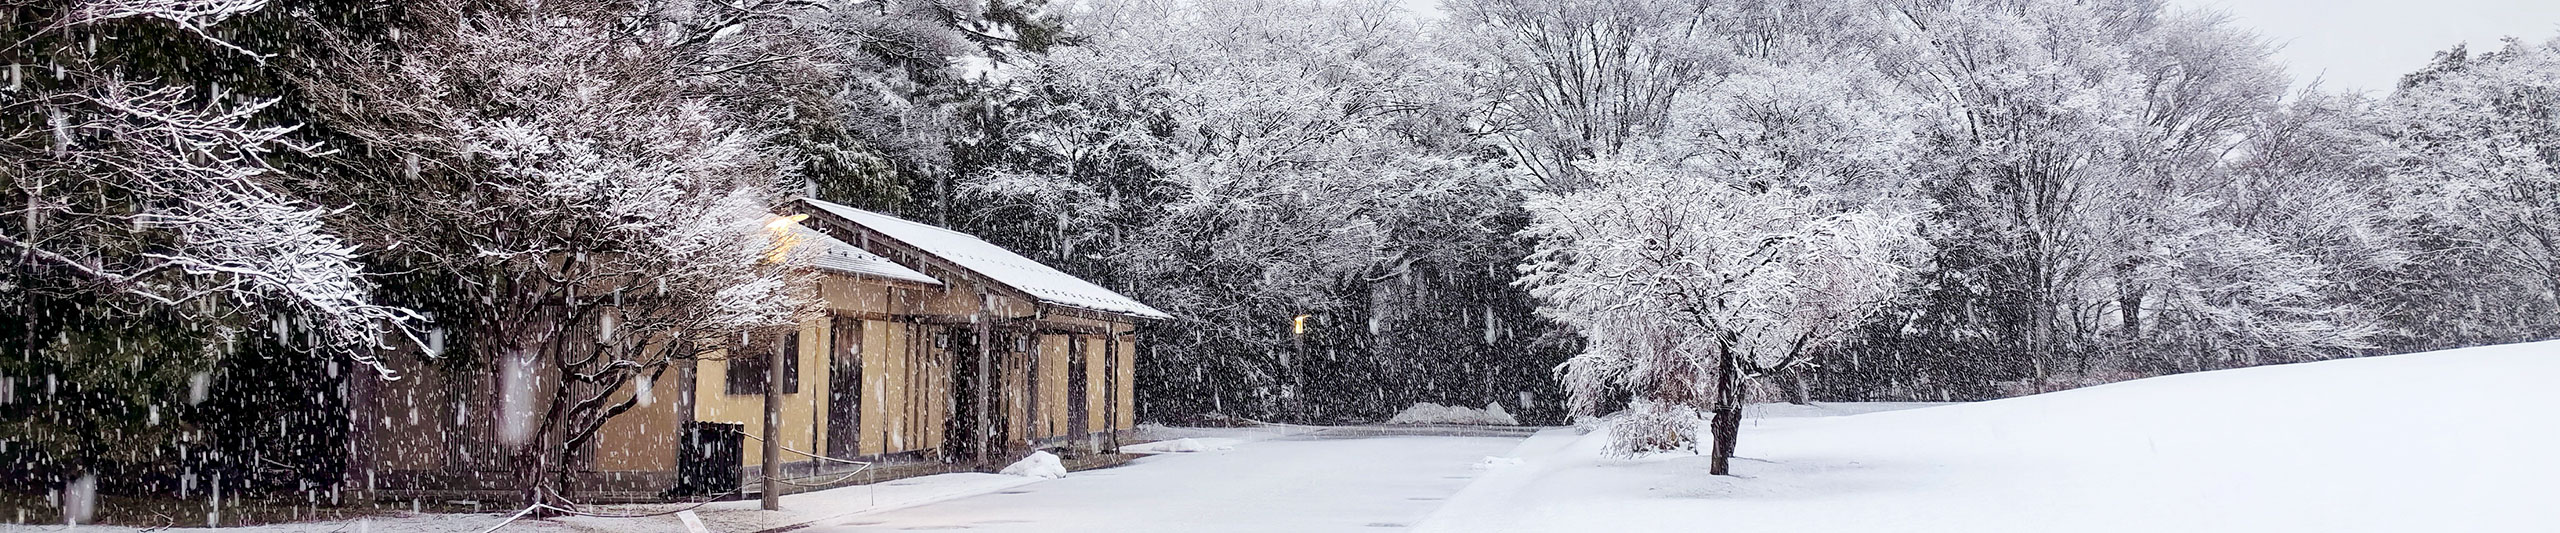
803, 410
906, 388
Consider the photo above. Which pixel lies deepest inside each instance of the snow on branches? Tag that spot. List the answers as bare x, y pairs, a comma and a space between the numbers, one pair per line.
201, 216
2476, 153
608, 214
1668, 273
196, 16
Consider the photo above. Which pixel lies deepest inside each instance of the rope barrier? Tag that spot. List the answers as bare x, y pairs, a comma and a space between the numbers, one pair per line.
859, 468
819, 457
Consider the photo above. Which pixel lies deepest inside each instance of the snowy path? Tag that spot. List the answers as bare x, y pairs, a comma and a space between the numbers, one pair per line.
1289, 484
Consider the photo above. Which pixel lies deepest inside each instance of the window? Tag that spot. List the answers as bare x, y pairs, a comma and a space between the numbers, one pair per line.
746, 374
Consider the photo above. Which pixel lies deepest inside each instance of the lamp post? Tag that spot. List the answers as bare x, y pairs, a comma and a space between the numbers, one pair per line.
1296, 361
772, 438
783, 239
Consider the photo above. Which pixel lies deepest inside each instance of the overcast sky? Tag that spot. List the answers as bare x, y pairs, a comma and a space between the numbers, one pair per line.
2367, 44
2355, 45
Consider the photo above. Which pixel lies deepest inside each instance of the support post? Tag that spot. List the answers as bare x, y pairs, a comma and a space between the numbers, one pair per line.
773, 422
986, 431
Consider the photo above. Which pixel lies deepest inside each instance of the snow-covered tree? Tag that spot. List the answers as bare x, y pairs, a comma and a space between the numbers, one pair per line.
1241, 163
161, 194
1573, 81
1771, 219
1684, 284
2474, 169
560, 164
2085, 193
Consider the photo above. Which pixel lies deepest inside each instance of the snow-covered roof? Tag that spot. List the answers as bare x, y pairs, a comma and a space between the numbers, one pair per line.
996, 263
837, 255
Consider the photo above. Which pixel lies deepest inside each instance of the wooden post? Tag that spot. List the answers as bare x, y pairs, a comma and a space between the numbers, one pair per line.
1111, 386
1032, 418
985, 436
772, 438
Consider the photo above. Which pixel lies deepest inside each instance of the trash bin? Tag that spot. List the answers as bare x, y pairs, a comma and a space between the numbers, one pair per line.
709, 459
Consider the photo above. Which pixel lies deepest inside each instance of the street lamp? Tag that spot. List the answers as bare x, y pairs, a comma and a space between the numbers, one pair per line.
783, 239
1297, 373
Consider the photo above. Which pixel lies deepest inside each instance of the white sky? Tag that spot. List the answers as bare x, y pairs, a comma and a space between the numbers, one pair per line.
2365, 45
2355, 45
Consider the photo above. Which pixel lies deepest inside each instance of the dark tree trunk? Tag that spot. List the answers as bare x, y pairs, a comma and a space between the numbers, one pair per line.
1799, 386
1727, 424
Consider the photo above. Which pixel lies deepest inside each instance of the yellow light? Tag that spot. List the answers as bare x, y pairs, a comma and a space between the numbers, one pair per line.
784, 222
783, 238
1299, 325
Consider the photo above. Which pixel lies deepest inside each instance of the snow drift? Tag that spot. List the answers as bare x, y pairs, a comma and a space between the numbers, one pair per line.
1038, 464
2457, 440
1432, 413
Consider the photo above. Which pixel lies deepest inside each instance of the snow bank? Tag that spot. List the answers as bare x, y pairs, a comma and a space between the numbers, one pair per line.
1039, 465
2456, 440
1432, 413
1183, 445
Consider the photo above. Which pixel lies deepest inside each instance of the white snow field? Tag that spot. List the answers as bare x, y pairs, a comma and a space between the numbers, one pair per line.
1285, 484
2458, 440
1432, 413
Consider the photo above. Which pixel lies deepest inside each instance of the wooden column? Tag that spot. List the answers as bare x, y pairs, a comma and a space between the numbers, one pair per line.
1111, 386
1030, 380
985, 435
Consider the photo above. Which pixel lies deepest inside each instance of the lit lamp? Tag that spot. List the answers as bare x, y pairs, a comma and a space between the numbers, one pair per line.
783, 238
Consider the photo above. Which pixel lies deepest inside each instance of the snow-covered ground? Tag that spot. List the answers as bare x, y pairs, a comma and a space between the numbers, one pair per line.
723, 517
1431, 413
1267, 484
2460, 440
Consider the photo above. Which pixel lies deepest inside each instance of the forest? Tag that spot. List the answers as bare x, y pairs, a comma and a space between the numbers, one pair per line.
217, 211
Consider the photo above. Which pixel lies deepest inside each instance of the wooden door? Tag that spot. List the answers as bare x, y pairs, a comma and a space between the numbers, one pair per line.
1078, 407
963, 437
844, 388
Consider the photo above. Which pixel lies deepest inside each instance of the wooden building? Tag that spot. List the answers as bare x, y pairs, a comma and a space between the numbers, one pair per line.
1056, 354
930, 345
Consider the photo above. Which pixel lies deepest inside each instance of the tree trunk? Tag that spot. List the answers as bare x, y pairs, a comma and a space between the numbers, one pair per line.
1727, 423
530, 463
520, 363
1799, 387
1727, 428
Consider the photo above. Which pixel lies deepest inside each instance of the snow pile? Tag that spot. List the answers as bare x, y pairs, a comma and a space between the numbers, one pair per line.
1039, 465
1432, 413
1183, 445
1491, 462
2457, 440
